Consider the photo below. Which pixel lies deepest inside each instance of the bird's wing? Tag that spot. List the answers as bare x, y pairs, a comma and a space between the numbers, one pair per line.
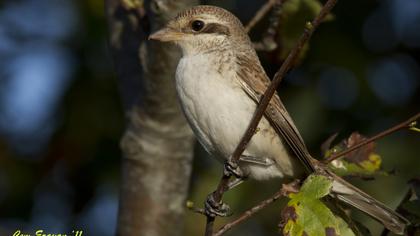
254, 81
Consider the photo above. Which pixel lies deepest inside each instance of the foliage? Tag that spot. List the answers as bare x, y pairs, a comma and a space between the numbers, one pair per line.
363, 162
306, 214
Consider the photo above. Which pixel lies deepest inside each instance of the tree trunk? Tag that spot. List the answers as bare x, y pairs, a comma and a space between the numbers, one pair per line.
157, 144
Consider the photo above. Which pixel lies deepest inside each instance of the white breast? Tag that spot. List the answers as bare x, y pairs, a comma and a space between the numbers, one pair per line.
219, 112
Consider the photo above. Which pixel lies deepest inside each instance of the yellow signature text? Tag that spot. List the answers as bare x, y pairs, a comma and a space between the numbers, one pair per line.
41, 232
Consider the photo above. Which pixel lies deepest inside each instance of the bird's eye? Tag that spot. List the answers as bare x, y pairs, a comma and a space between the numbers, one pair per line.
197, 25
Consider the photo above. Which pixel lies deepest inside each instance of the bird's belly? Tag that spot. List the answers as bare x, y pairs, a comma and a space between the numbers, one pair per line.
219, 112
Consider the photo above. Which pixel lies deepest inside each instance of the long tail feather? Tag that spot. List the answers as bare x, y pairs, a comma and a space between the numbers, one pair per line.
345, 192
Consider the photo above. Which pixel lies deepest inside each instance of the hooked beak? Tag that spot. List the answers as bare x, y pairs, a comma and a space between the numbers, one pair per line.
166, 35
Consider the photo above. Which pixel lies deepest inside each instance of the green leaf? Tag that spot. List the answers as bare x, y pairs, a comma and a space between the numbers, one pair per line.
315, 187
344, 228
306, 214
363, 162
369, 167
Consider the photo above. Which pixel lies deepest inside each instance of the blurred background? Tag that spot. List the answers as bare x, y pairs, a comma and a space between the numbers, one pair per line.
61, 116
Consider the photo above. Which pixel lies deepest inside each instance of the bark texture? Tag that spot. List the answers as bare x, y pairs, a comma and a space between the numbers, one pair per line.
157, 144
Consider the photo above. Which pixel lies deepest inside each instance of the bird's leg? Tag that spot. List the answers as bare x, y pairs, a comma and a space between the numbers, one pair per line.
232, 168
234, 183
262, 161
213, 208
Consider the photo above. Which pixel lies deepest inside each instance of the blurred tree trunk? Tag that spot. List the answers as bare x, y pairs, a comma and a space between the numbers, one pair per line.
157, 144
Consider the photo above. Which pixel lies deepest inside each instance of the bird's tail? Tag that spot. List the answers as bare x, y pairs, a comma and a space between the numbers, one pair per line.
345, 192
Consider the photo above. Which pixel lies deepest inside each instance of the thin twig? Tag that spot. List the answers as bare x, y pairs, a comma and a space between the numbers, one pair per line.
268, 42
190, 206
400, 126
260, 14
259, 112
217, 196
285, 67
247, 214
414, 128
284, 191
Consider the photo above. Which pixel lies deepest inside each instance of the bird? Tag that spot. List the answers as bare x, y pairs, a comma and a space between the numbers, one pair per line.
219, 81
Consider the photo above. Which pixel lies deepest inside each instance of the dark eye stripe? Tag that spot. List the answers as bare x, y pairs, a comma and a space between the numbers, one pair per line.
214, 28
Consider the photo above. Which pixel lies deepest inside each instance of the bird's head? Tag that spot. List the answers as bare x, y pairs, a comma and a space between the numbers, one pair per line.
203, 29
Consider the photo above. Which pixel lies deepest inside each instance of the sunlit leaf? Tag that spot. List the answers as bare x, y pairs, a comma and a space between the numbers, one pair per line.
306, 214
344, 229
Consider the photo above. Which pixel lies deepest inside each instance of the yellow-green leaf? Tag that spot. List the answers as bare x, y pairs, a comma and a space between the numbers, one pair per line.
362, 162
306, 214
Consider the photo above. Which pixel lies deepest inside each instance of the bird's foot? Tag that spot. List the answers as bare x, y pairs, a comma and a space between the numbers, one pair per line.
213, 208
232, 168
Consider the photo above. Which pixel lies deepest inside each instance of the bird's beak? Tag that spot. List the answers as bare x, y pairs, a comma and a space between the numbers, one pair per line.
166, 35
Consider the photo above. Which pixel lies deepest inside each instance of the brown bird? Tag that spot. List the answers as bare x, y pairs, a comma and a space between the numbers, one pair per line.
219, 81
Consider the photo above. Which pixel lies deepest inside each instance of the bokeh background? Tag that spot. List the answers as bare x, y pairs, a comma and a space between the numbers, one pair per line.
61, 116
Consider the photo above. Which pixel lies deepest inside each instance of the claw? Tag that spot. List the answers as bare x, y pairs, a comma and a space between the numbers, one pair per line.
213, 208
231, 168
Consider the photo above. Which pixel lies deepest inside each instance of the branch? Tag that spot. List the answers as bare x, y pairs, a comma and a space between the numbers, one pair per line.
260, 14
285, 67
268, 42
403, 125
284, 191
